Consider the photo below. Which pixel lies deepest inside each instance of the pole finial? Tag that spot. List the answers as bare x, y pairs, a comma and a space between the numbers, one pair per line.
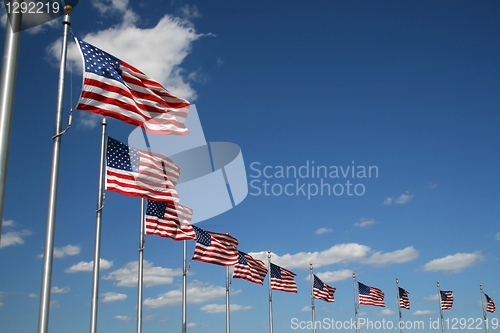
68, 9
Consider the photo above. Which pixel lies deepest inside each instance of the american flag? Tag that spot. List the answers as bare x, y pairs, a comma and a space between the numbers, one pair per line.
215, 248
282, 279
139, 173
404, 301
490, 305
446, 300
370, 295
249, 268
322, 290
113, 88
169, 220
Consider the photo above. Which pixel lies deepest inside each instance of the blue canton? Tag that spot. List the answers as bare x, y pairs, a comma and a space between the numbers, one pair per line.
241, 258
121, 156
101, 63
363, 290
275, 271
318, 284
202, 236
156, 208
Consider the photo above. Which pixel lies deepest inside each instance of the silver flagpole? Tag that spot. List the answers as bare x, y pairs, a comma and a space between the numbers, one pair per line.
440, 308
43, 316
484, 309
142, 240
356, 305
97, 246
227, 300
184, 287
312, 298
399, 305
7, 89
270, 294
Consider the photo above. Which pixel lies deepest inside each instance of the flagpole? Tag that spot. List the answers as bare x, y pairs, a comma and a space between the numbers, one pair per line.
142, 240
227, 300
399, 306
43, 316
484, 309
97, 246
184, 287
440, 308
312, 298
270, 294
8, 85
356, 306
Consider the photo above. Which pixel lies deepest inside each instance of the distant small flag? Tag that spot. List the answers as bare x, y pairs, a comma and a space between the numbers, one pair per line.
140, 173
446, 300
322, 291
215, 248
370, 295
404, 301
249, 268
169, 220
282, 279
490, 305
113, 88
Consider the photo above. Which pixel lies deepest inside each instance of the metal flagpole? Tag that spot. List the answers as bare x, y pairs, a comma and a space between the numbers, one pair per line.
142, 240
270, 295
440, 308
312, 298
7, 89
356, 305
43, 316
97, 246
184, 287
484, 309
399, 305
227, 300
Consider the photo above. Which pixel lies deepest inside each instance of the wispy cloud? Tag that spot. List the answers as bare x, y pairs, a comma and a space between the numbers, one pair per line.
112, 297
68, 250
153, 276
57, 290
396, 257
404, 198
13, 238
431, 298
455, 263
364, 223
220, 308
323, 230
124, 318
388, 201
385, 312
83, 266
424, 312
432, 185
497, 236
334, 276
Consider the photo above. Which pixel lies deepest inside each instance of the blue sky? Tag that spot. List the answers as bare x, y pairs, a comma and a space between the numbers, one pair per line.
409, 87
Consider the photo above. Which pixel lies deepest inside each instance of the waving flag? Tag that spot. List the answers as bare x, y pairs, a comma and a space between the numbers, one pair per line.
249, 268
370, 295
404, 300
282, 279
113, 88
139, 173
169, 220
490, 305
215, 248
322, 290
446, 300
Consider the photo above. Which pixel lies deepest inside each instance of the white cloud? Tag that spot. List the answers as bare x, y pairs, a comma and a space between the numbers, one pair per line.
432, 298
32, 295
220, 308
423, 312
197, 293
453, 263
152, 276
340, 253
404, 198
68, 250
385, 312
396, 257
124, 318
364, 223
323, 230
306, 309
497, 236
13, 238
113, 297
57, 290
8, 223
335, 276
54, 304
83, 266
432, 185
388, 201
191, 325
